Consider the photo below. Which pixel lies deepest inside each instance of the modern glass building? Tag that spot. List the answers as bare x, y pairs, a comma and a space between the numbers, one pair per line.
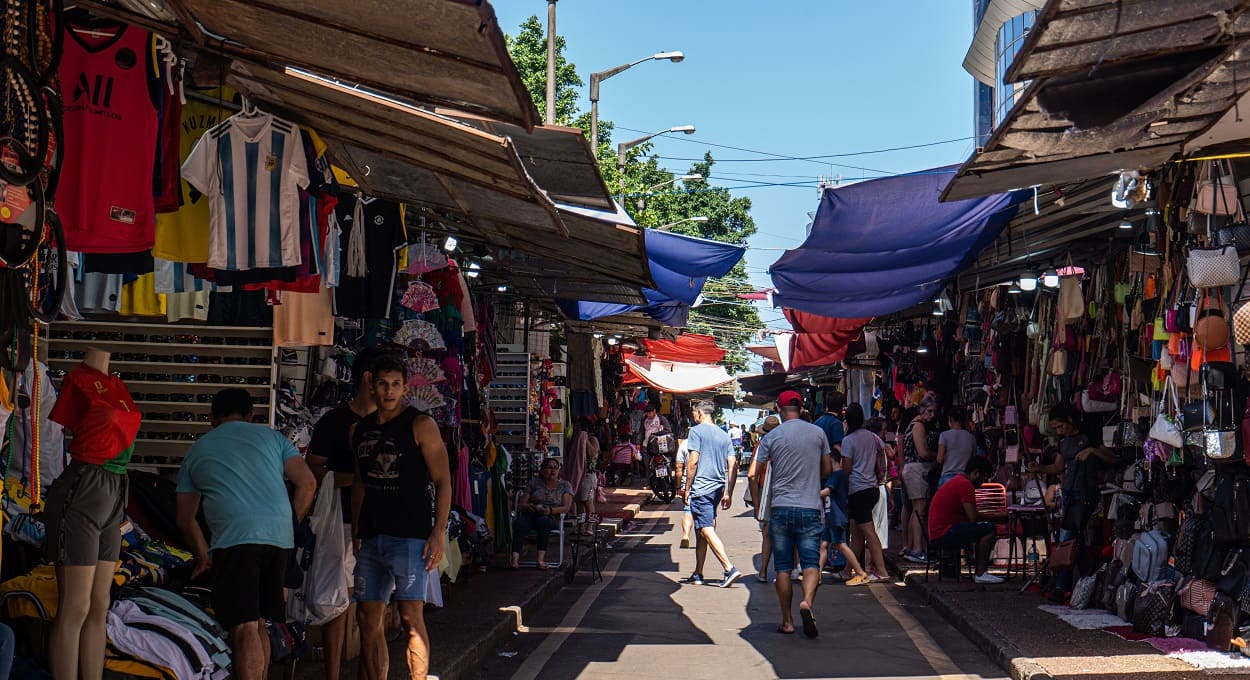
1000, 28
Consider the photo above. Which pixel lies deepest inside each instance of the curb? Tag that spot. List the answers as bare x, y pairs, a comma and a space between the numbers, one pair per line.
988, 640
463, 665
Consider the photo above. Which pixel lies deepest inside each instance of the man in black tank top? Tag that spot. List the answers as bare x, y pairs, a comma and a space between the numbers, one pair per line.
401, 497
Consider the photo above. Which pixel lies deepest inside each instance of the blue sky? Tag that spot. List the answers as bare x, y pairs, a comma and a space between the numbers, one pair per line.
791, 78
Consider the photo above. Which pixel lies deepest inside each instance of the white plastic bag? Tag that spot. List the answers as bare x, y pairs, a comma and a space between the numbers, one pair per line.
881, 517
324, 593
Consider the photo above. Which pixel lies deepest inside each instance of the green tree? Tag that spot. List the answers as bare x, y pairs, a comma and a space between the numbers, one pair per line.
652, 197
529, 51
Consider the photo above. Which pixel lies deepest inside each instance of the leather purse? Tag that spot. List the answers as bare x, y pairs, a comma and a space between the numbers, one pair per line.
1196, 595
1213, 267
1197, 415
1210, 326
1153, 610
1222, 623
1219, 375
1217, 193
1236, 235
1062, 555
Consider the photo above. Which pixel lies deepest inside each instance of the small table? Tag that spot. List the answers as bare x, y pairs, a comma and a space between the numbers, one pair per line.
1016, 516
591, 542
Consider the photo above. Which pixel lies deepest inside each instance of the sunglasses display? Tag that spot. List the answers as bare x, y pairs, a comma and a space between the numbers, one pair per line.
173, 372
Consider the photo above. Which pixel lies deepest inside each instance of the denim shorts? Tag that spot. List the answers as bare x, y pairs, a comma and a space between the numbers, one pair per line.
386, 564
704, 508
836, 535
791, 528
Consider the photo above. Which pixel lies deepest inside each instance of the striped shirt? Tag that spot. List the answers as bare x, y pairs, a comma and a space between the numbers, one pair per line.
251, 168
176, 277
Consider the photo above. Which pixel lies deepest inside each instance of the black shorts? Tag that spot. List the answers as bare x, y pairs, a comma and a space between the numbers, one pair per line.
247, 584
861, 503
83, 511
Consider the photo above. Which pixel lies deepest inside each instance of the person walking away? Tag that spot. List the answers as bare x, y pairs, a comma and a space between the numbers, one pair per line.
331, 449
624, 455
956, 446
711, 470
735, 437
400, 531
831, 420
954, 520
539, 509
237, 472
837, 521
796, 455
919, 453
756, 486
862, 458
687, 519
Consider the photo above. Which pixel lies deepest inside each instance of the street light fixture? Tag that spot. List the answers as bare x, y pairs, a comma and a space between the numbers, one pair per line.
626, 146
698, 219
600, 76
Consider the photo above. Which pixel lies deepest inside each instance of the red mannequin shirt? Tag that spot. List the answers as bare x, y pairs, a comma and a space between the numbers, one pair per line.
98, 410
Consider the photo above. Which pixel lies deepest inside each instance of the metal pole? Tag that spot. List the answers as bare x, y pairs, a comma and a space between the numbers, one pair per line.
551, 62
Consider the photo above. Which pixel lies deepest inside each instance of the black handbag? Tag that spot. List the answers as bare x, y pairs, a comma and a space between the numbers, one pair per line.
1153, 609
1219, 376
1236, 235
1223, 623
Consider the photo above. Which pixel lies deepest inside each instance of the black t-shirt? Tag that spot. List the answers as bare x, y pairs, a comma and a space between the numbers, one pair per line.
330, 441
398, 501
368, 297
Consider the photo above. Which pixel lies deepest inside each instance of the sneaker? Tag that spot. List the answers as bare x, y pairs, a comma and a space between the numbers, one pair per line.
858, 581
915, 556
693, 579
988, 579
731, 577
877, 578
685, 543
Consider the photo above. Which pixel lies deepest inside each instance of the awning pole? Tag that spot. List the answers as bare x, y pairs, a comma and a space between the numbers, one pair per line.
551, 62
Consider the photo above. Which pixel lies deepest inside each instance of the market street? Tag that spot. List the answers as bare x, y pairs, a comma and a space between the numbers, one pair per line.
641, 622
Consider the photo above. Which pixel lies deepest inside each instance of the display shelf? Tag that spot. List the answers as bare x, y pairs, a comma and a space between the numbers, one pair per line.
172, 371
509, 397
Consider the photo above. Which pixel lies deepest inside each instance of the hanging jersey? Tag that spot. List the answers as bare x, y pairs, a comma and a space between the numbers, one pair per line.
369, 296
251, 168
139, 298
187, 306
182, 236
176, 277
99, 293
112, 87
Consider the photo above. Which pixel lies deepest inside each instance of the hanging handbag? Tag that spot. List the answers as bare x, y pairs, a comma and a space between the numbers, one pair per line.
1241, 313
1219, 444
1058, 364
1196, 415
1214, 196
1210, 325
1219, 375
1091, 405
1213, 267
1071, 305
1166, 427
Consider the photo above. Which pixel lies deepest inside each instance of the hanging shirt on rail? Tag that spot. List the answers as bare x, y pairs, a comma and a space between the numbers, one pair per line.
111, 83
251, 167
368, 296
182, 235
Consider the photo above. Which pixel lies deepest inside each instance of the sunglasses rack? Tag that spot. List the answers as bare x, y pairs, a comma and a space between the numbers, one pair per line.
509, 396
172, 372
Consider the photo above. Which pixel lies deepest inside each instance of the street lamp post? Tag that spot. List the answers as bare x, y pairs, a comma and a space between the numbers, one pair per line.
642, 200
600, 76
626, 146
698, 219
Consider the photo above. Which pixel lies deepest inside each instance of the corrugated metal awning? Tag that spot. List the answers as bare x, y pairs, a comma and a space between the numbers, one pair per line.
1114, 86
433, 52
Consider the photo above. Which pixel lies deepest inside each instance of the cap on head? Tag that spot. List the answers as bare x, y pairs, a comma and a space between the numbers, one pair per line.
790, 399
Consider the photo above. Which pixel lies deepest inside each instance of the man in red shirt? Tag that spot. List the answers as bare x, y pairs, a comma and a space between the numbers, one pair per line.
955, 522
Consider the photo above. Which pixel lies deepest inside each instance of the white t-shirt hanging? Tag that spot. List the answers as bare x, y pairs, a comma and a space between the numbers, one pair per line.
251, 168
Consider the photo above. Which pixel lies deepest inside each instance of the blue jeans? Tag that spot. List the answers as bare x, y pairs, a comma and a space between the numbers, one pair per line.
946, 478
389, 563
792, 528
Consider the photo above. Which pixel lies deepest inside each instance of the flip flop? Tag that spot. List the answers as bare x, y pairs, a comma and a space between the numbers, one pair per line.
783, 631
809, 623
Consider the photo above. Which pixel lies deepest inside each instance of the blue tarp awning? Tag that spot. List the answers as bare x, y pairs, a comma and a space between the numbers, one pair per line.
883, 245
680, 265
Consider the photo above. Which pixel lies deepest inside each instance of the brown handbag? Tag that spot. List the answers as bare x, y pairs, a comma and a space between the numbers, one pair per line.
1196, 595
1062, 555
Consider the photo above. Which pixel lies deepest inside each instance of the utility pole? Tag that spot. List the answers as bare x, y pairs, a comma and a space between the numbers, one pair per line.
551, 62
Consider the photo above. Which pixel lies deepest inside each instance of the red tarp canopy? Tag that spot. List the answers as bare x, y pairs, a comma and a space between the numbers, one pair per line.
689, 348
821, 340
676, 377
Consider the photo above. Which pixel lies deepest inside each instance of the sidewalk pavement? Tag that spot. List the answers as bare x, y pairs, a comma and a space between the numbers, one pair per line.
1031, 644
470, 625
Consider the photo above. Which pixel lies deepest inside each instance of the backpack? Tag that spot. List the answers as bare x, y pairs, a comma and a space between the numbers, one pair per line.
1126, 600
1150, 553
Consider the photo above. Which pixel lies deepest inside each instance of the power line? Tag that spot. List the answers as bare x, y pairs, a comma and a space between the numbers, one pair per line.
785, 157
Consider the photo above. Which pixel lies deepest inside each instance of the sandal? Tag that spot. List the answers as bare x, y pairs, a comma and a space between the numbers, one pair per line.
783, 631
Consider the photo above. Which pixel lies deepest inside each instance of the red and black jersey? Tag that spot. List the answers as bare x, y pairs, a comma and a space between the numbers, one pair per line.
100, 414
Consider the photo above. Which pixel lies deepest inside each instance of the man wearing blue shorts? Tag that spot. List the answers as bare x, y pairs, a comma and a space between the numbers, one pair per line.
710, 465
796, 454
400, 531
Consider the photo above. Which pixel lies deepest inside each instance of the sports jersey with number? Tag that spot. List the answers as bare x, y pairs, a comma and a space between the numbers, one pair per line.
112, 86
251, 167
182, 235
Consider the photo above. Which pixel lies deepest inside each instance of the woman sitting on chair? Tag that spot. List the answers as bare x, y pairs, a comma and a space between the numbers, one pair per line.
539, 509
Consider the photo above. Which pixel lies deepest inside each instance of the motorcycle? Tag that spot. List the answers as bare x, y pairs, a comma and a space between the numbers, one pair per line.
662, 482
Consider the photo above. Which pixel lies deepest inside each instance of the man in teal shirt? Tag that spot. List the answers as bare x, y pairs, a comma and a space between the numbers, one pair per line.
237, 470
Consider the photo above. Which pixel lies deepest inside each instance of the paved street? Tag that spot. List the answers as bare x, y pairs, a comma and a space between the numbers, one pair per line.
640, 622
